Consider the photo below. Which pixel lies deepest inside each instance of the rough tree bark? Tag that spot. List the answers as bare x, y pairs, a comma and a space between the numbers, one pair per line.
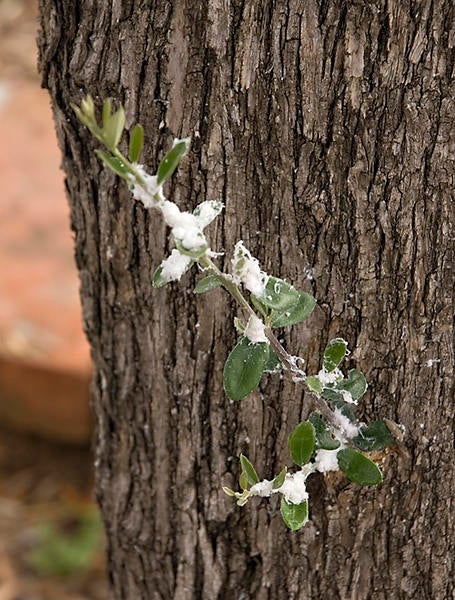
327, 130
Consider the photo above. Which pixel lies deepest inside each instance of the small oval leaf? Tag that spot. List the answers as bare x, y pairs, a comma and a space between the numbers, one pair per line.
301, 443
295, 314
113, 128
273, 363
171, 160
114, 164
355, 384
244, 367
279, 479
314, 385
158, 281
324, 438
136, 142
376, 436
243, 481
334, 353
249, 470
209, 283
279, 295
294, 515
358, 468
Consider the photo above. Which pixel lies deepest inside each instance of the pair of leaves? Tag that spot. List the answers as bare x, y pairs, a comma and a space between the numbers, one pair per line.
244, 367
289, 306
113, 126
249, 476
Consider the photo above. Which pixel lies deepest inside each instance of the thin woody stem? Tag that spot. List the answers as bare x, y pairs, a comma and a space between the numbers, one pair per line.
286, 359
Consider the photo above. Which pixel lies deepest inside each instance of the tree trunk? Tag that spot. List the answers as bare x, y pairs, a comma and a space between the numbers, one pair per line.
327, 130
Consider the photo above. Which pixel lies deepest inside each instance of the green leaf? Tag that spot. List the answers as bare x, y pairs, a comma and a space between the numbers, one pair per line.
294, 515
193, 253
336, 401
334, 353
279, 479
171, 160
314, 385
113, 129
243, 498
107, 109
244, 367
136, 142
228, 491
279, 295
301, 443
207, 211
376, 436
114, 164
243, 481
239, 326
273, 362
88, 107
358, 468
82, 117
295, 314
157, 280
209, 283
248, 469
323, 434
355, 384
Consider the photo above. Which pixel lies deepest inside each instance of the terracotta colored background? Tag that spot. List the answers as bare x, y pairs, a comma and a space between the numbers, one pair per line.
44, 357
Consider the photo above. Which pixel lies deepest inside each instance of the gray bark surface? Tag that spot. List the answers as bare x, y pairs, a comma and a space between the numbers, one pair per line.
327, 130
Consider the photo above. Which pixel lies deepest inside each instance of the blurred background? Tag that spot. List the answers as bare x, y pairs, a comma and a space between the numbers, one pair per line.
51, 544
